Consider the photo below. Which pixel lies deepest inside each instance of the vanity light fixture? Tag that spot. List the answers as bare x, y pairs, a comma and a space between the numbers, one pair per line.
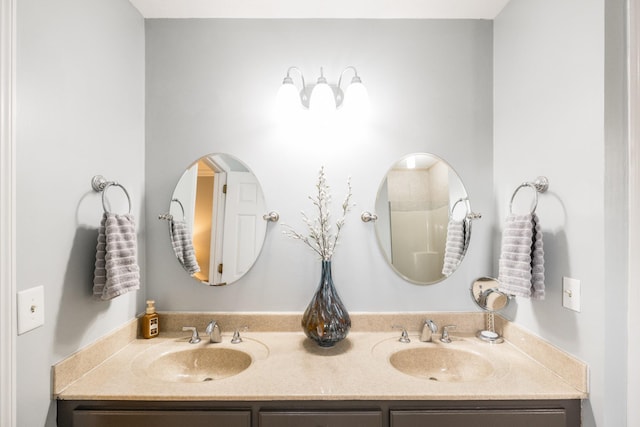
323, 97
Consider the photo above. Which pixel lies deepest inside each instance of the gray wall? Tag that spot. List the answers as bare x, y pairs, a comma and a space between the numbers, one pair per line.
559, 112
211, 87
80, 112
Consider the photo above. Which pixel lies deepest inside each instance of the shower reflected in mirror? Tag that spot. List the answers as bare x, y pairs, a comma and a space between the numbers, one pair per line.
422, 218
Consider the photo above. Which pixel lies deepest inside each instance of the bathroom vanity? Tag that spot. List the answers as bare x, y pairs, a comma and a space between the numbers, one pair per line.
543, 413
276, 377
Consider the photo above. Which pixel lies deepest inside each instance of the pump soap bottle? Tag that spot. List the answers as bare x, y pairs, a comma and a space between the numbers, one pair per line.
150, 321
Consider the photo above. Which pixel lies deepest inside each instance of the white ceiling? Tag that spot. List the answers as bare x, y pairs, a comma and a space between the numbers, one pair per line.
290, 9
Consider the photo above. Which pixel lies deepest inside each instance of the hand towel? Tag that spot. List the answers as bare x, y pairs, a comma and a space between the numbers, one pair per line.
182, 243
455, 245
521, 263
116, 267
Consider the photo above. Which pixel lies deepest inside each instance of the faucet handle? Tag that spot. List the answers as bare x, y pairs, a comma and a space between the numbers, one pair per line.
445, 338
237, 339
404, 336
195, 338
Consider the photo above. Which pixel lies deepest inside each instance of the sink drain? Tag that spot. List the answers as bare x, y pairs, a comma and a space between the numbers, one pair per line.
433, 379
207, 379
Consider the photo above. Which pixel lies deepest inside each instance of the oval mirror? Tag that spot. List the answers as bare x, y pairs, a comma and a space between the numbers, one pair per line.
423, 225
216, 223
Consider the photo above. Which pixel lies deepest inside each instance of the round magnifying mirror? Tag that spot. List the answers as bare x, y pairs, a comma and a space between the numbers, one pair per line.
487, 295
216, 220
422, 225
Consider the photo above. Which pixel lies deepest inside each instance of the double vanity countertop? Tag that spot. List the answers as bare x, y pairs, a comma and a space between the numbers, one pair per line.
285, 365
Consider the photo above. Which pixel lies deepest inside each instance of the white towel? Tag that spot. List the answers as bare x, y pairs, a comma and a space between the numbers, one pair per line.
116, 267
182, 243
455, 246
521, 264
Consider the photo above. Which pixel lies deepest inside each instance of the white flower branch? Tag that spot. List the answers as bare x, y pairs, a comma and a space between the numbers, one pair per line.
319, 237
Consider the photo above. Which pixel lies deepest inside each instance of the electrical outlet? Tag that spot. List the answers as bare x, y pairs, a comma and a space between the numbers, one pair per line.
30, 309
571, 293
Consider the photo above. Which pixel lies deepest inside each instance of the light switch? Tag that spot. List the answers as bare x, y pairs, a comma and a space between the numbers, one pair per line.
30, 309
571, 293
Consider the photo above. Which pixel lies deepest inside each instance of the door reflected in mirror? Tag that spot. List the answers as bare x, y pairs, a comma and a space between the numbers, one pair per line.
216, 223
423, 225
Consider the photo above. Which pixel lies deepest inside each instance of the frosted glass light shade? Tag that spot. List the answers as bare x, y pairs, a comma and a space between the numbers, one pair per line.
322, 100
356, 99
288, 99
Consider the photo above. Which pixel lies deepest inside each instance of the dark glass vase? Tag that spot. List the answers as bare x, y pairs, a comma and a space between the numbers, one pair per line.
326, 320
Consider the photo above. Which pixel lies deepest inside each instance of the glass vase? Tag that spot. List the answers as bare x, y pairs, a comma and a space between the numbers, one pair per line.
326, 320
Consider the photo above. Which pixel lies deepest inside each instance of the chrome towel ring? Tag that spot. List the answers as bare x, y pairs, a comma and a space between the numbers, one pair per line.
101, 185
179, 204
468, 213
540, 185
466, 205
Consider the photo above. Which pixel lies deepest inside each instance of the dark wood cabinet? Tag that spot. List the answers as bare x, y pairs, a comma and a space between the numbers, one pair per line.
159, 418
480, 418
320, 419
384, 413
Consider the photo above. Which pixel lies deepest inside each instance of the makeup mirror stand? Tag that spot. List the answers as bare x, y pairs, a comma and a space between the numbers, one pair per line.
486, 294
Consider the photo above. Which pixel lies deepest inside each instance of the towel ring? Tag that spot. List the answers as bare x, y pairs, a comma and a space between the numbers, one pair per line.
104, 195
100, 184
466, 205
181, 206
469, 215
540, 185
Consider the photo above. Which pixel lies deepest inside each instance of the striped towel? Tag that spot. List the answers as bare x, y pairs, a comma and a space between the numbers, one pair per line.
521, 263
183, 246
455, 246
116, 269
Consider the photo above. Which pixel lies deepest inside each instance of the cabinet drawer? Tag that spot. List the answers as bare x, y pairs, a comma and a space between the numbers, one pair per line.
480, 418
321, 419
169, 418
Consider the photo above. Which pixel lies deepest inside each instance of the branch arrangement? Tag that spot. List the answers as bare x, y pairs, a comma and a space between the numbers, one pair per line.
320, 237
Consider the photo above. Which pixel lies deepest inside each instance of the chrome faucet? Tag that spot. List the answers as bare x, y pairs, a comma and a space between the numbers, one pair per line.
428, 329
445, 338
213, 330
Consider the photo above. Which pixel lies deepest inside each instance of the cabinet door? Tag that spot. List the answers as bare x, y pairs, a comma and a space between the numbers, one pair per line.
480, 418
176, 418
321, 419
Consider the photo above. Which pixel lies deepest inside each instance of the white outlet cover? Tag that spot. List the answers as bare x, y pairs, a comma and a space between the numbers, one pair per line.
30, 309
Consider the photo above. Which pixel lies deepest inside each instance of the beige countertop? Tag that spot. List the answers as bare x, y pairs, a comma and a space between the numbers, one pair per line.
288, 366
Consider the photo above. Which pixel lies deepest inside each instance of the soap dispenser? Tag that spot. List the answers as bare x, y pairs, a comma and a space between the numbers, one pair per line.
150, 327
